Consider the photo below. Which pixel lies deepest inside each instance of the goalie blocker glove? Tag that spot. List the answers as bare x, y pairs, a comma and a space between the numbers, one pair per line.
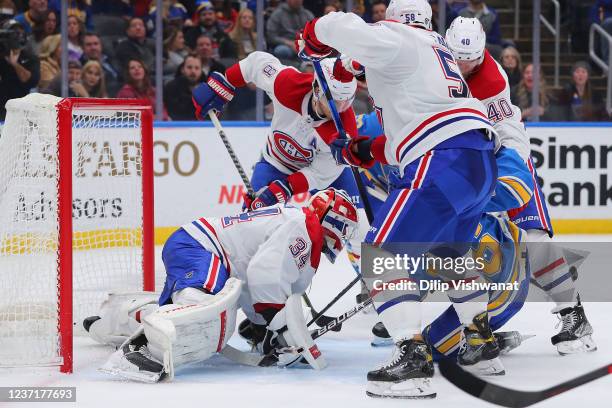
214, 94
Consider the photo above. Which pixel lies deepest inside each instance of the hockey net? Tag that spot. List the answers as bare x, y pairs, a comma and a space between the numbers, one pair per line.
76, 218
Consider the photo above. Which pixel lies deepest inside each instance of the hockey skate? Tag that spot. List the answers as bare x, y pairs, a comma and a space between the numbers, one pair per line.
479, 352
133, 361
407, 375
509, 340
576, 331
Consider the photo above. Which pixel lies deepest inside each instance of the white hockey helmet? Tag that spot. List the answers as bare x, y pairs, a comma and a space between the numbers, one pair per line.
413, 12
341, 85
466, 39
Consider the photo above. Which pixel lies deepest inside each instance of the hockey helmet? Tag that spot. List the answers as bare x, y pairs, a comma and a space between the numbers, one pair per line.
412, 12
341, 83
466, 39
338, 217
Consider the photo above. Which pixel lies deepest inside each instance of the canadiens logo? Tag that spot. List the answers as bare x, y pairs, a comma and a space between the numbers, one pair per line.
290, 149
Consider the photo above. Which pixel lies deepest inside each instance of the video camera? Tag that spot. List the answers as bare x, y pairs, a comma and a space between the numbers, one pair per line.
12, 37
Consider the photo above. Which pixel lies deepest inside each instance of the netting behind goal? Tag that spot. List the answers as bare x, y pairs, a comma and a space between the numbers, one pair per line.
75, 219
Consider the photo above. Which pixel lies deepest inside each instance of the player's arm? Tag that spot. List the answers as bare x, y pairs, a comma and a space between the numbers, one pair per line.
373, 45
514, 186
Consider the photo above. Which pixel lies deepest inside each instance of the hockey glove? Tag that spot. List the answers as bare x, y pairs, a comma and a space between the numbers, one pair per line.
308, 46
276, 192
213, 94
354, 152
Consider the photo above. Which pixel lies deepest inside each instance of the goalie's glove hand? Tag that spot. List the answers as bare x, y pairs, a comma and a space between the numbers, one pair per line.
308, 46
277, 191
214, 94
354, 152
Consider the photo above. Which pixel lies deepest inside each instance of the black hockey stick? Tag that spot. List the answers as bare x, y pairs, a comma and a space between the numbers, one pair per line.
247, 184
507, 397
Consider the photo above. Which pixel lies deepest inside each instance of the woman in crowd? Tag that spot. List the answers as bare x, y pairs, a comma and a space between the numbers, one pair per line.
521, 95
577, 95
174, 51
50, 59
41, 30
93, 80
75, 38
511, 62
137, 84
243, 35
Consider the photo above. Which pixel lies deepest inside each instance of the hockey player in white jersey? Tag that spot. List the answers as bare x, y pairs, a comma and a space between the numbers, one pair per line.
488, 82
260, 261
439, 137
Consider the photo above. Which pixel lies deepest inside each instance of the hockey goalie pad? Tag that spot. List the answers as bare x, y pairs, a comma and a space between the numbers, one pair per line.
181, 334
118, 318
297, 334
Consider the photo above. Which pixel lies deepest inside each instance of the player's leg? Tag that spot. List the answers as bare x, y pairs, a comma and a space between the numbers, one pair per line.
422, 211
552, 273
264, 173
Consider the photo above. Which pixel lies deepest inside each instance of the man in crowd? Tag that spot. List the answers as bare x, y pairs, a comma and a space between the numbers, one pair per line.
37, 10
285, 21
92, 50
136, 45
177, 93
379, 8
204, 50
223, 47
19, 70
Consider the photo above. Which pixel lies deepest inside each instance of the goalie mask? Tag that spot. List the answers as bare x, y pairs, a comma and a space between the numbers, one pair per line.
341, 83
338, 218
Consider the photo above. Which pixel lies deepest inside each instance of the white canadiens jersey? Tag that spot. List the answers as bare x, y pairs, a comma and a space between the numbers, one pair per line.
275, 251
413, 79
296, 141
490, 85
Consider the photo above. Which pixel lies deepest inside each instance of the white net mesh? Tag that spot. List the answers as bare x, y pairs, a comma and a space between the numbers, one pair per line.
107, 220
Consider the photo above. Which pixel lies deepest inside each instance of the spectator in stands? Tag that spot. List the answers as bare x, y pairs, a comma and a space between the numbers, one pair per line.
35, 13
379, 8
41, 30
601, 13
490, 23
135, 46
204, 50
50, 59
138, 83
577, 95
173, 13
93, 80
81, 9
177, 93
7, 10
521, 95
207, 24
285, 21
174, 51
511, 62
451, 14
75, 38
75, 84
243, 35
92, 51
19, 70
226, 14
330, 8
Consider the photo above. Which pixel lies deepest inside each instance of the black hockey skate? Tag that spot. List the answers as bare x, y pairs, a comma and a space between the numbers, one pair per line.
407, 375
576, 332
479, 352
134, 361
509, 340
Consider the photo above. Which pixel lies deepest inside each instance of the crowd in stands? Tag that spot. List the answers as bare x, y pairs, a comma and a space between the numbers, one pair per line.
111, 50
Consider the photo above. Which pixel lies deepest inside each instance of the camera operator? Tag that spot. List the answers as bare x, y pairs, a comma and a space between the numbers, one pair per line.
19, 70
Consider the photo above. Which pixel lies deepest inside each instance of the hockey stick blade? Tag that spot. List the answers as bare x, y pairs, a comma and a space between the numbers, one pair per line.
507, 397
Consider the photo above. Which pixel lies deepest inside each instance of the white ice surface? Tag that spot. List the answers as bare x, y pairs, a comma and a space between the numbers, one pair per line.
220, 383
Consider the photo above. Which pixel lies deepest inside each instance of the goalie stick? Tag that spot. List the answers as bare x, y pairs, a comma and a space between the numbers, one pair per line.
507, 397
256, 360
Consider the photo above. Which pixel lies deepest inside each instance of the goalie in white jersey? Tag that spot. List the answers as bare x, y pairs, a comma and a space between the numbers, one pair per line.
260, 261
551, 271
440, 138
